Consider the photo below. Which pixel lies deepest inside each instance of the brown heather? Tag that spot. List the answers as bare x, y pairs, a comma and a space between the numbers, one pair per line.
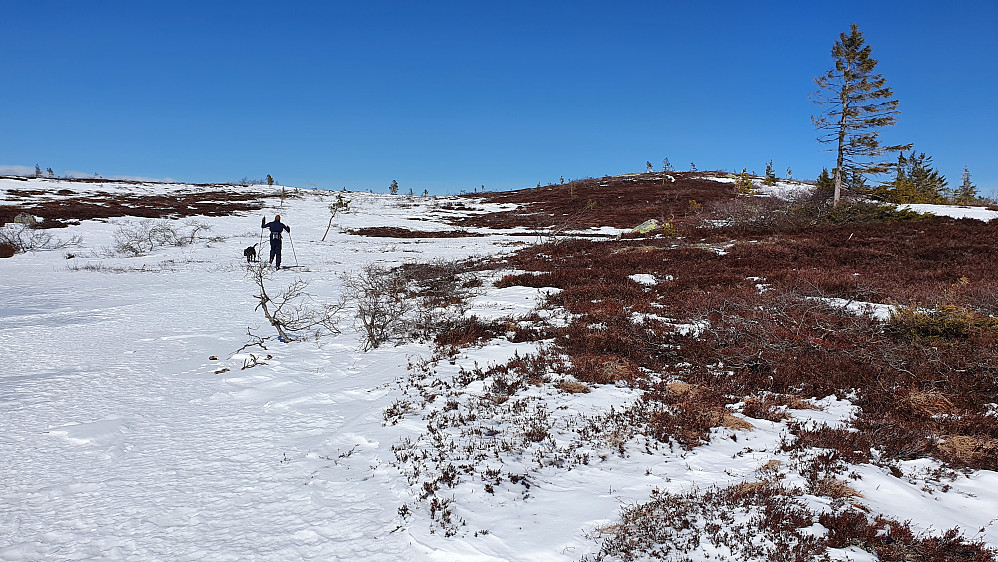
59, 210
770, 337
738, 327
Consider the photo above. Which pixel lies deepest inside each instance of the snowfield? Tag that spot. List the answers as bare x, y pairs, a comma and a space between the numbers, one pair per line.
140, 422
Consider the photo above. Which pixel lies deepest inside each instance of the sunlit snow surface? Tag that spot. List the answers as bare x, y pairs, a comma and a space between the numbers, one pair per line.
121, 438
955, 211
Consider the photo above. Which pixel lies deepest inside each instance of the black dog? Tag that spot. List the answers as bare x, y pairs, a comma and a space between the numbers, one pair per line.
250, 253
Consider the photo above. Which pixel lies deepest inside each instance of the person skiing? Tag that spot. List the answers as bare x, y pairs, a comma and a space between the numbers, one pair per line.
276, 228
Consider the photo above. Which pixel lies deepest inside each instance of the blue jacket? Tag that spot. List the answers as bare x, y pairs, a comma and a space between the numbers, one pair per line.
276, 227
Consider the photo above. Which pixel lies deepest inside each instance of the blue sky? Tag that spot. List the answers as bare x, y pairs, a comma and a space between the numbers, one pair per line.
448, 96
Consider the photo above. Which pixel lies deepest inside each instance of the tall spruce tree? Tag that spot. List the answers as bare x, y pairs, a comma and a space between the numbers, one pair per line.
856, 105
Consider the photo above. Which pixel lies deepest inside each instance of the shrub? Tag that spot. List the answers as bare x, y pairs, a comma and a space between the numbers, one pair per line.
139, 238
743, 185
463, 332
748, 521
764, 521
23, 237
944, 323
865, 211
382, 306
572, 387
893, 541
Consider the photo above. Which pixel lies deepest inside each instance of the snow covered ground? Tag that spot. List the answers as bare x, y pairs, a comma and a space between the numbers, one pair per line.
955, 211
132, 430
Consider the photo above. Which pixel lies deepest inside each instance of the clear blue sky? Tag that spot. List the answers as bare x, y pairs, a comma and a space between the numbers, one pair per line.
453, 95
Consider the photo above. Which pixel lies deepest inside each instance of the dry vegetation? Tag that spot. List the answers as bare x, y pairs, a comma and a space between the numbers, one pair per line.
621, 201
398, 232
771, 329
63, 207
48, 209
766, 521
741, 319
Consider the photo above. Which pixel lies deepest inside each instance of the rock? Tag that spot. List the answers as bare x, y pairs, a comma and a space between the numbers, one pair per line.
26, 218
648, 226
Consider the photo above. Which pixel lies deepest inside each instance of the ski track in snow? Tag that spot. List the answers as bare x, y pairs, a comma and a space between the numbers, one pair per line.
122, 440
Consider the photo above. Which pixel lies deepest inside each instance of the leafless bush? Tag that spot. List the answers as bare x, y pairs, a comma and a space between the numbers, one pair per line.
21, 237
760, 212
382, 306
294, 313
196, 230
140, 238
555, 232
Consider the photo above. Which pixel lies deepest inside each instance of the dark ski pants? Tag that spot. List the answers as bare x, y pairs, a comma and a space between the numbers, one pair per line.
275, 251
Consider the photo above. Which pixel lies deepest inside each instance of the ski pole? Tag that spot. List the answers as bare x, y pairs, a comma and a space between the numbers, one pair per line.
261, 236
293, 248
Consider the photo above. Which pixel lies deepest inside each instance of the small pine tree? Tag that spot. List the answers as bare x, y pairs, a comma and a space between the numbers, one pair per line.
916, 181
825, 185
855, 182
648, 166
270, 180
967, 192
666, 165
394, 188
50, 173
693, 167
743, 185
770, 178
38, 171
341, 204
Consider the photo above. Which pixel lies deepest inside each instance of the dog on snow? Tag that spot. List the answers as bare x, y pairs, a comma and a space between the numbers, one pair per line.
250, 253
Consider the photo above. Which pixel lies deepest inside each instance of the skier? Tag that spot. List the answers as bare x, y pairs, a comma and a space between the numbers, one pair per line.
276, 228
